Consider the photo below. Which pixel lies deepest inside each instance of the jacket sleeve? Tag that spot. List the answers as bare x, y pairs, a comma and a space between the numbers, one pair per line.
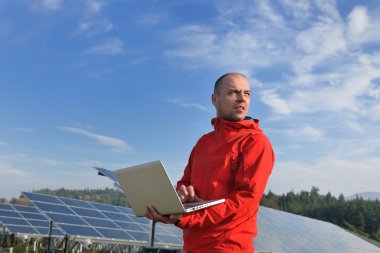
257, 161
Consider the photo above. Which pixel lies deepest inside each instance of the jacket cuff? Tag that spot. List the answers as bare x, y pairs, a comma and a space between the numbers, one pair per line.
182, 223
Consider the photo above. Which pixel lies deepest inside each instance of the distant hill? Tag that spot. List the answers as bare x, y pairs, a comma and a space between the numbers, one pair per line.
365, 195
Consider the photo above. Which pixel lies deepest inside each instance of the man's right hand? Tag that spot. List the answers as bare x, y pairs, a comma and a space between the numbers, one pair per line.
187, 194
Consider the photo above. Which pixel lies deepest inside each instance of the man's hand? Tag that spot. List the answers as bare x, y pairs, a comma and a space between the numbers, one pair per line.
152, 214
187, 194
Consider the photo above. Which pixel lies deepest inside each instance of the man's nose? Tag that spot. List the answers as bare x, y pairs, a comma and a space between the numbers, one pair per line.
241, 97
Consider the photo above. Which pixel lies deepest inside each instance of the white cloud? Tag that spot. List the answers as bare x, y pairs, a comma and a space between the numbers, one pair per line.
272, 99
118, 145
323, 40
374, 113
358, 22
267, 11
109, 47
187, 104
25, 129
25, 158
201, 46
3, 143
304, 133
328, 174
94, 6
299, 9
91, 28
355, 126
349, 87
8, 169
328, 8
152, 19
311, 133
51, 4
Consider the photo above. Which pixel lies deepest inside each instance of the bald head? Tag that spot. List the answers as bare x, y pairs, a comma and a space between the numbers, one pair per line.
219, 82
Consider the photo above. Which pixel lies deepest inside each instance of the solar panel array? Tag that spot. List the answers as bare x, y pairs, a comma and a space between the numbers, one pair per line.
87, 219
25, 220
278, 231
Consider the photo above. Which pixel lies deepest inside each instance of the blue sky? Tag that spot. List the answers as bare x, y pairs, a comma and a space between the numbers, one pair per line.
121, 82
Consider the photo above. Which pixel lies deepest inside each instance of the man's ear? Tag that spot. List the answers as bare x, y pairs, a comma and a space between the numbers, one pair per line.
213, 99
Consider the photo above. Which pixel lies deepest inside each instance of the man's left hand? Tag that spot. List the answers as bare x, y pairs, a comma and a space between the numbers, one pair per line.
152, 214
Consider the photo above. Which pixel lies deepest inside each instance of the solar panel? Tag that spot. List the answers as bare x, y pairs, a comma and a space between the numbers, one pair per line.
285, 232
25, 220
165, 234
100, 221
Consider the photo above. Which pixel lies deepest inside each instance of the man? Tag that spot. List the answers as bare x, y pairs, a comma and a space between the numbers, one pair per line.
233, 162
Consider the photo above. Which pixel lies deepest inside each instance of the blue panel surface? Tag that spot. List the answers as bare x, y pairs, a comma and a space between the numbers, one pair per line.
67, 219
45, 231
169, 239
80, 231
88, 212
9, 213
131, 226
13, 221
168, 234
5, 207
139, 236
27, 209
22, 229
140, 220
115, 234
126, 210
76, 203
39, 223
42, 198
105, 207
33, 216
116, 216
101, 223
53, 208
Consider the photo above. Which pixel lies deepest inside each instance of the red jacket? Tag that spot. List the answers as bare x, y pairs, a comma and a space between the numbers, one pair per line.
233, 162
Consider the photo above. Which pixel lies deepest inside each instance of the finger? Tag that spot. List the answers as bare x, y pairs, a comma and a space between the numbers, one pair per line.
175, 216
191, 193
148, 213
182, 193
156, 214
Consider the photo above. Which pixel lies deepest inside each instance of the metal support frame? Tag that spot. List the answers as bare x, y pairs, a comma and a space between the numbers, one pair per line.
152, 232
49, 236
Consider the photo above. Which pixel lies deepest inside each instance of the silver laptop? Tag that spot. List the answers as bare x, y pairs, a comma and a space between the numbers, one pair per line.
149, 184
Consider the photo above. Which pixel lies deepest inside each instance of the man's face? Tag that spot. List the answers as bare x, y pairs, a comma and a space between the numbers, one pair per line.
232, 101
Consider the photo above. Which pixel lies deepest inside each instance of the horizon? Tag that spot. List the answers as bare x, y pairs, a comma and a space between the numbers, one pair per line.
118, 83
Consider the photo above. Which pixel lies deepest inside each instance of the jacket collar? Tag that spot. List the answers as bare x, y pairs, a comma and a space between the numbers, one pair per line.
247, 123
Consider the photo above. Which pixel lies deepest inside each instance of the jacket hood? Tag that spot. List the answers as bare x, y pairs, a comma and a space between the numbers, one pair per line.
247, 123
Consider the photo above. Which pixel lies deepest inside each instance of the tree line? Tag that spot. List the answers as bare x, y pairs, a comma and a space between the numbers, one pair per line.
357, 215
